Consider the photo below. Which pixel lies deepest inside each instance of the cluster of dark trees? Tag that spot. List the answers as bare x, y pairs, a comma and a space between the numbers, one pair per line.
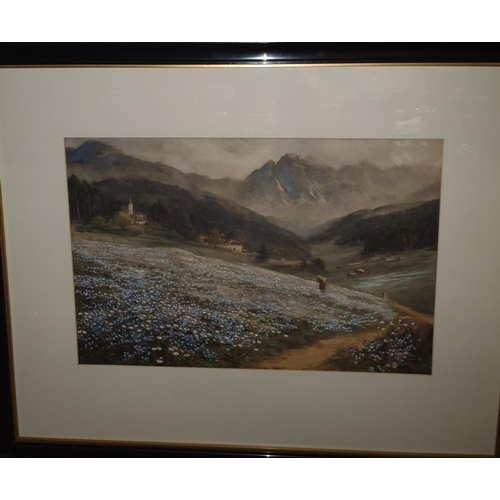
402, 231
87, 202
163, 216
314, 266
263, 254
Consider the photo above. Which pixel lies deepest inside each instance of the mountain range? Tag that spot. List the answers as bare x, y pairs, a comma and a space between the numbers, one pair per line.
298, 193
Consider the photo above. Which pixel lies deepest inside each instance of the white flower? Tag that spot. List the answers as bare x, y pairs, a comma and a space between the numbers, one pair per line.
159, 337
160, 361
176, 353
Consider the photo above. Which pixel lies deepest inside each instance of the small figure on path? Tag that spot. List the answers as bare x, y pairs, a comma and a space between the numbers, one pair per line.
322, 283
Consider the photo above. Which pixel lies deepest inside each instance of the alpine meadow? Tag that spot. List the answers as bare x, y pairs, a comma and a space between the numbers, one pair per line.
293, 254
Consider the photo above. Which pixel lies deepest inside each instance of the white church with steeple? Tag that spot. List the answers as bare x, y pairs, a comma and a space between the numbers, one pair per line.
138, 218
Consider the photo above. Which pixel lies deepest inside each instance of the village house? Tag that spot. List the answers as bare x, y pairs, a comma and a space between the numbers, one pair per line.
234, 244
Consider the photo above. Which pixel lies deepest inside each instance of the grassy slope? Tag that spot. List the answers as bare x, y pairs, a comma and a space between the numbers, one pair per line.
150, 240
417, 293
410, 281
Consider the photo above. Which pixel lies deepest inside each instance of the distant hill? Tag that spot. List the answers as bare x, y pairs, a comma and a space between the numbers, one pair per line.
385, 229
201, 211
95, 161
299, 192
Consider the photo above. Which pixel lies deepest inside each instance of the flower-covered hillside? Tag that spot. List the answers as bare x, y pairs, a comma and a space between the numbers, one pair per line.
167, 306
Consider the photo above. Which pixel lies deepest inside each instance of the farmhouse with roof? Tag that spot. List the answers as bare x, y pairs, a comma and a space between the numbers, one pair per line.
234, 244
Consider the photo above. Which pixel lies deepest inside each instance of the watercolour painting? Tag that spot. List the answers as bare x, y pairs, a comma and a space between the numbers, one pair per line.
294, 254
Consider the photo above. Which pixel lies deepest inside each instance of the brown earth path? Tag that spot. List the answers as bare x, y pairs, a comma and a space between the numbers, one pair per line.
313, 357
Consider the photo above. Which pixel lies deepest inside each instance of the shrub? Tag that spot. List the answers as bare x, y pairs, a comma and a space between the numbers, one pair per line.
262, 254
123, 220
98, 223
403, 349
136, 231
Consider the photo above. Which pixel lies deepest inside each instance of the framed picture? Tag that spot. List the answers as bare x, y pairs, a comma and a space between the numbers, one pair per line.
251, 249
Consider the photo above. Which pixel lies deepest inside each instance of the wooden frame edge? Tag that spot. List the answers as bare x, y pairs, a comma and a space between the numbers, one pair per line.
255, 449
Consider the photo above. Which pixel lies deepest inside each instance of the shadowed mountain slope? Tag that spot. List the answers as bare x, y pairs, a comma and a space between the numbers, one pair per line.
203, 211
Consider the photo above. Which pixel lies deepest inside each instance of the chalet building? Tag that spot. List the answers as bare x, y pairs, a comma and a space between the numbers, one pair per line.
137, 217
234, 244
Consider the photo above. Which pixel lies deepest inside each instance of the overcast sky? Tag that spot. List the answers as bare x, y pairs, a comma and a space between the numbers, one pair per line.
237, 158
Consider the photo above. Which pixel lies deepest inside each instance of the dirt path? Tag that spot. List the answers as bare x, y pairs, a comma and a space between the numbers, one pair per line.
314, 356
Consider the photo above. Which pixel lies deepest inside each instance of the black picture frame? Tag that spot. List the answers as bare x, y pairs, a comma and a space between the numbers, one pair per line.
145, 54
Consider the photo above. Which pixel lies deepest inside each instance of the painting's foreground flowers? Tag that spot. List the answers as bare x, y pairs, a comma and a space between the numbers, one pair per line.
144, 308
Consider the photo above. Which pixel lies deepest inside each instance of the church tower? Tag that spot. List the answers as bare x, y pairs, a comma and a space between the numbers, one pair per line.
130, 207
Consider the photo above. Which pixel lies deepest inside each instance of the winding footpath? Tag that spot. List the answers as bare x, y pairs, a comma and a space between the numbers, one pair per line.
315, 356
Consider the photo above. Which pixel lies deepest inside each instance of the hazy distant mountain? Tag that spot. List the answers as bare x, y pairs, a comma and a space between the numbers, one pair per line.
205, 211
94, 161
294, 189
299, 192
293, 180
